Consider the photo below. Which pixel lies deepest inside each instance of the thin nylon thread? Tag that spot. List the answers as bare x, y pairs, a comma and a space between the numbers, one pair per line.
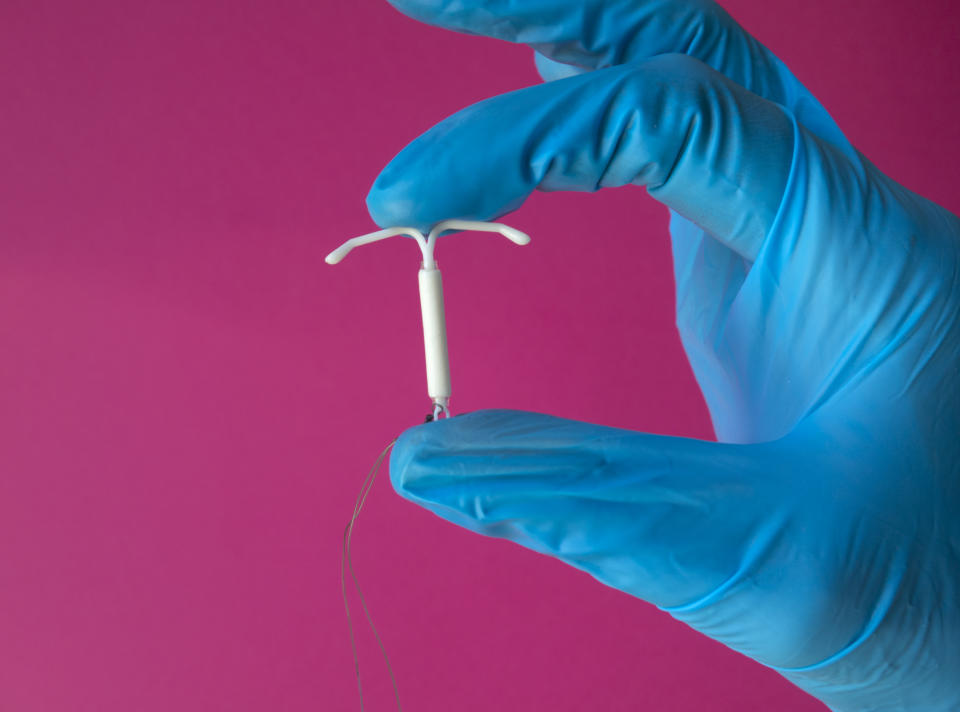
346, 563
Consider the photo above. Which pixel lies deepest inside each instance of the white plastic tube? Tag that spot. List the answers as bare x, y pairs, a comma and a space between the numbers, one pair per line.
434, 336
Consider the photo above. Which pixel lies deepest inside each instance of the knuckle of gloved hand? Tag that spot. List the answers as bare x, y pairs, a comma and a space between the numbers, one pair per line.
669, 84
672, 67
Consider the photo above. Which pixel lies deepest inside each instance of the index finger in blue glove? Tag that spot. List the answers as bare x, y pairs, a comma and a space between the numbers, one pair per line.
705, 146
593, 34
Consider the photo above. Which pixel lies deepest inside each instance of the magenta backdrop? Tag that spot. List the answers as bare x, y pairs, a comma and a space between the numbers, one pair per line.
190, 397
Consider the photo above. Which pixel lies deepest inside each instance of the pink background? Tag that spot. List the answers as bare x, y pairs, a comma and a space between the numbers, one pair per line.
190, 398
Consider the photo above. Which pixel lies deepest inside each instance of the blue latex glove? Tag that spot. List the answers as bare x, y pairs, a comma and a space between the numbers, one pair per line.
818, 303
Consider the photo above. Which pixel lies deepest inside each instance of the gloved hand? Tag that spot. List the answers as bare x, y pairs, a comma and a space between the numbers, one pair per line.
818, 302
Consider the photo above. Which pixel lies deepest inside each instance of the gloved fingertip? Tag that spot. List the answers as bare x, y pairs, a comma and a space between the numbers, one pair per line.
404, 451
407, 193
550, 70
438, 436
388, 204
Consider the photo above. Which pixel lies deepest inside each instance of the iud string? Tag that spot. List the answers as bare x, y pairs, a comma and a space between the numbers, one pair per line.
346, 564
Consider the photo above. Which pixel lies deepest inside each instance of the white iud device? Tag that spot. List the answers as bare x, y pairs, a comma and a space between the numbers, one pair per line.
431, 296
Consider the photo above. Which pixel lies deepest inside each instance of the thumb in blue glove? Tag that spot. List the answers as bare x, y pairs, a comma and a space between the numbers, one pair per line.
818, 303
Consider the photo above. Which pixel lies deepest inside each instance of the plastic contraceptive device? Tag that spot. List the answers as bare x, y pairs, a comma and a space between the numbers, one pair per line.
431, 295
